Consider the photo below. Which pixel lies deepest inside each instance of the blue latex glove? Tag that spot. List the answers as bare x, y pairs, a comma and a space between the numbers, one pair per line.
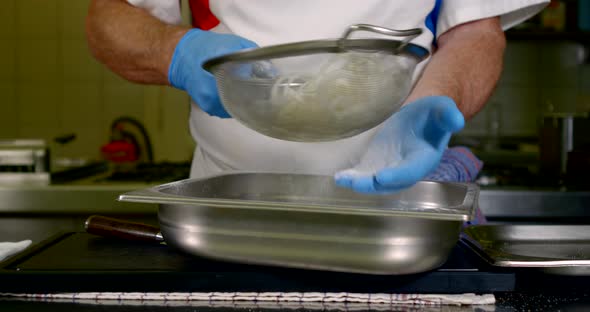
409, 146
186, 73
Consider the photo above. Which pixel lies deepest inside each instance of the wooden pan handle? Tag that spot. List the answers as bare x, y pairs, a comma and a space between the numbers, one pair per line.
109, 227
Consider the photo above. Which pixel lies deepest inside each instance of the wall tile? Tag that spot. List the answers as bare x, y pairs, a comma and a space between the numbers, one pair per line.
36, 19
166, 120
47, 133
77, 62
563, 100
81, 106
560, 64
519, 111
478, 125
583, 104
124, 99
84, 97
7, 20
38, 105
176, 142
584, 83
566, 77
37, 60
7, 60
8, 120
73, 15
111, 78
86, 145
521, 61
561, 54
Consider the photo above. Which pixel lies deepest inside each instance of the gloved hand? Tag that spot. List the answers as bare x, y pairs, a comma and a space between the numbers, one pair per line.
409, 145
186, 73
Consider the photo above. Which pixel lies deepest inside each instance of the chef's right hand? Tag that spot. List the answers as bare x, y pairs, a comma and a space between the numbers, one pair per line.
186, 73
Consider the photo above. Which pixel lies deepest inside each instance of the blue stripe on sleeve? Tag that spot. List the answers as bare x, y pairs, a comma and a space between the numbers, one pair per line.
432, 18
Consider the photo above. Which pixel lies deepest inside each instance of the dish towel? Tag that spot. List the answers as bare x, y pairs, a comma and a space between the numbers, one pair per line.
459, 164
269, 297
8, 249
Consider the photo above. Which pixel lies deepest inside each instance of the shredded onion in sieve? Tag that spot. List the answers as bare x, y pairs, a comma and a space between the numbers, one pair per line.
344, 85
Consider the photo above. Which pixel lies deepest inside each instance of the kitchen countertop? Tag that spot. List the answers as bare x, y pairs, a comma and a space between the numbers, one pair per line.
565, 301
26, 226
499, 203
39, 212
68, 199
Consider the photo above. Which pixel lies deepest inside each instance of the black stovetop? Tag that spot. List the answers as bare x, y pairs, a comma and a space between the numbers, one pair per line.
80, 262
76, 262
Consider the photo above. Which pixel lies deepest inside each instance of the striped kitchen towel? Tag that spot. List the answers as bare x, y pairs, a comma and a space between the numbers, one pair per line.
268, 297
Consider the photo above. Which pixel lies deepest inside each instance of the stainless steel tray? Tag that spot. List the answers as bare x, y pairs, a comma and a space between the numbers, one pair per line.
311, 193
306, 221
555, 249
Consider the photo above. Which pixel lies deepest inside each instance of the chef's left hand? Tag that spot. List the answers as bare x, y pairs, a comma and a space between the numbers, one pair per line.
407, 148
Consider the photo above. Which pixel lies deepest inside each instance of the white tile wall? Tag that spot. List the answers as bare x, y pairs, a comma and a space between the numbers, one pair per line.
123, 99
174, 135
37, 60
36, 19
72, 17
37, 105
77, 63
7, 20
50, 85
519, 110
584, 84
479, 124
535, 74
520, 64
81, 105
8, 122
7, 60
562, 99
561, 54
38, 131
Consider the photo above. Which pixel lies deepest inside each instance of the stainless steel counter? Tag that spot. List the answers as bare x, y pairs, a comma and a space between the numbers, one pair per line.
534, 204
85, 199
70, 199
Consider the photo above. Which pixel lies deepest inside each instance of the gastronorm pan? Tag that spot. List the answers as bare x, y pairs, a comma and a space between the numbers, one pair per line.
306, 221
555, 249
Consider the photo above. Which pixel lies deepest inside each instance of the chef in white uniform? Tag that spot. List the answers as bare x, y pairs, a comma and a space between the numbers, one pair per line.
142, 41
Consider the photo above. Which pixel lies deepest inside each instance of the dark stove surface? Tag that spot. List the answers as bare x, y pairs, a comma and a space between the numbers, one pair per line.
157, 172
78, 262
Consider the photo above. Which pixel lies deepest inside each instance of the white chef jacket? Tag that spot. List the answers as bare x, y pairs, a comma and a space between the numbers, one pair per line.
225, 144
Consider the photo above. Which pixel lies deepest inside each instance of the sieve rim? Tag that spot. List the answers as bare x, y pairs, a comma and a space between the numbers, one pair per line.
394, 47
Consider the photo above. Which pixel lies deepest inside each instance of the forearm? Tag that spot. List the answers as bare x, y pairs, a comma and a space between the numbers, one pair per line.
466, 66
130, 41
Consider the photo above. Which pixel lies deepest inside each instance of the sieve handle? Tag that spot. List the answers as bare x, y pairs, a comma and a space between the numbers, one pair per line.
409, 33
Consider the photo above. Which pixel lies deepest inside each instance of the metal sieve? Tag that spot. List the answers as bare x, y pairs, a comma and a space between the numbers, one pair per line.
319, 90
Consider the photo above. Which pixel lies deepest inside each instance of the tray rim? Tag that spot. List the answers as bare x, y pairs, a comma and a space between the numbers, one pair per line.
154, 195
